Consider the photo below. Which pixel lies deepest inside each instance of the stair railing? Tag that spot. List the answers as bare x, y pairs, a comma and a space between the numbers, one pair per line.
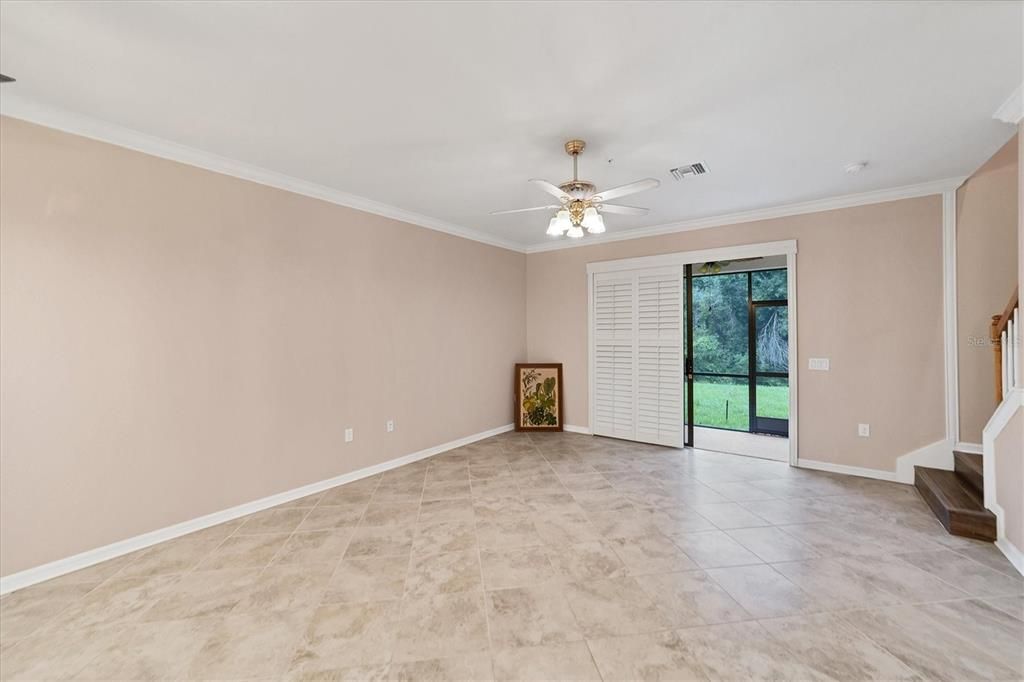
1005, 336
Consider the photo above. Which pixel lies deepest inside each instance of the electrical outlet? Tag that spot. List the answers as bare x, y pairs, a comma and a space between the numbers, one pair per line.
864, 430
348, 435
820, 364
390, 425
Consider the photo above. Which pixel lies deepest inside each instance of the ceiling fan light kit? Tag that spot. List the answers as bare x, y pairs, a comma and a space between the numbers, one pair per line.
593, 221
580, 202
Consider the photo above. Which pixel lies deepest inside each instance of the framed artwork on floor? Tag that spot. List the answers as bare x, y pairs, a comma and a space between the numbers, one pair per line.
538, 396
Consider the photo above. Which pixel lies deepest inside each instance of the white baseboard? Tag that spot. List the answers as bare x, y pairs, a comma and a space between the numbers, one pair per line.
1011, 552
577, 429
970, 448
864, 472
938, 455
31, 576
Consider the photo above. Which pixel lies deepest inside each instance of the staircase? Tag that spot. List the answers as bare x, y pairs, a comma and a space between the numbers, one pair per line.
958, 497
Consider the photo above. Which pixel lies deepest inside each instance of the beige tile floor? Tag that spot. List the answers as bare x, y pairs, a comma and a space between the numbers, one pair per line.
553, 556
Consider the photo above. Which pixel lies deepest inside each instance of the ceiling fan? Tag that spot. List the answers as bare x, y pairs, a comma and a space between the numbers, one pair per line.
580, 204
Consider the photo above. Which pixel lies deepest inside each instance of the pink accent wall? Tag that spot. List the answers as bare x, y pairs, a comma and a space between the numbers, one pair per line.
175, 342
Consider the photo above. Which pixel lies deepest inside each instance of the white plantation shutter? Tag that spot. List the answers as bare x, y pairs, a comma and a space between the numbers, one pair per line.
614, 364
660, 358
637, 355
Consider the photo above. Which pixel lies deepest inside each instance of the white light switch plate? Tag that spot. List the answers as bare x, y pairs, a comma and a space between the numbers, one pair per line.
348, 435
820, 364
864, 430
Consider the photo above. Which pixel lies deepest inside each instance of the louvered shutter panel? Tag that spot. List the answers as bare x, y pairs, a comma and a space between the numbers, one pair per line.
637, 355
659, 358
614, 363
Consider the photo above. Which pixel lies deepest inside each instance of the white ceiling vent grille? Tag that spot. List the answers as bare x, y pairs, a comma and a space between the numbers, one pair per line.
688, 171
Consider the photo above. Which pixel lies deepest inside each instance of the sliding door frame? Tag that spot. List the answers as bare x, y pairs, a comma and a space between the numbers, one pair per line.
688, 353
787, 248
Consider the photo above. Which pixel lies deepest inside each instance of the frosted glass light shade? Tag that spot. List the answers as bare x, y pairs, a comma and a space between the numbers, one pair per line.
554, 228
596, 225
575, 232
590, 218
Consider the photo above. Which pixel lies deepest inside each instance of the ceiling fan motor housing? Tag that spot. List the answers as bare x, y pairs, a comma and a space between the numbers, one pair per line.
578, 189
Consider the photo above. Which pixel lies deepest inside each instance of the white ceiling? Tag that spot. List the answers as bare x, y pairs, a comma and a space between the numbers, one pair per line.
446, 109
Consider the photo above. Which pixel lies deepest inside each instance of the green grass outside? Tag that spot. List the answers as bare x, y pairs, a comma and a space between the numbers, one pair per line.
709, 404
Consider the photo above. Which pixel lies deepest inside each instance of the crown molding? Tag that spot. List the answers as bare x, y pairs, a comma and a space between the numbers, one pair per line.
27, 109
1012, 110
782, 211
18, 106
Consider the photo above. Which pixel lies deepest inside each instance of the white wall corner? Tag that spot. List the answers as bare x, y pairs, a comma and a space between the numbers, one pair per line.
937, 455
949, 335
1012, 110
577, 429
53, 569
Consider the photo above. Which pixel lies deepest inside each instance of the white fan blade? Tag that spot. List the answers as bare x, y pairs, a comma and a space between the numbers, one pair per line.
623, 190
553, 190
623, 210
524, 210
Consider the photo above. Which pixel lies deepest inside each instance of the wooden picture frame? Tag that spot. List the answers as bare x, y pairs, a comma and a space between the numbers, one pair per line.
538, 402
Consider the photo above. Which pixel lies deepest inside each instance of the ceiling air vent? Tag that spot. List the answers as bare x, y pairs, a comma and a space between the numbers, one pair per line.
687, 171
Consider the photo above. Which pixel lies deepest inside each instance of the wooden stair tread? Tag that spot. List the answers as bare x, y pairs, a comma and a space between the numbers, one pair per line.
969, 467
958, 504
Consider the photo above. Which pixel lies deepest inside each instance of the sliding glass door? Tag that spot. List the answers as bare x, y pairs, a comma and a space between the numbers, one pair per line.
737, 337
769, 353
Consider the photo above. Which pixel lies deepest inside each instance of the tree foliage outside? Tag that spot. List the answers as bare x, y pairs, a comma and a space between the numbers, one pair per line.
720, 324
769, 285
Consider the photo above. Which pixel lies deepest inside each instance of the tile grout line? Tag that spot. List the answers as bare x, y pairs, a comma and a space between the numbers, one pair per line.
895, 654
114, 576
648, 472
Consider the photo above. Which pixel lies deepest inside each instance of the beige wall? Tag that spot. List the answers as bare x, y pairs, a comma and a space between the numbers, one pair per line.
869, 298
175, 342
986, 275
